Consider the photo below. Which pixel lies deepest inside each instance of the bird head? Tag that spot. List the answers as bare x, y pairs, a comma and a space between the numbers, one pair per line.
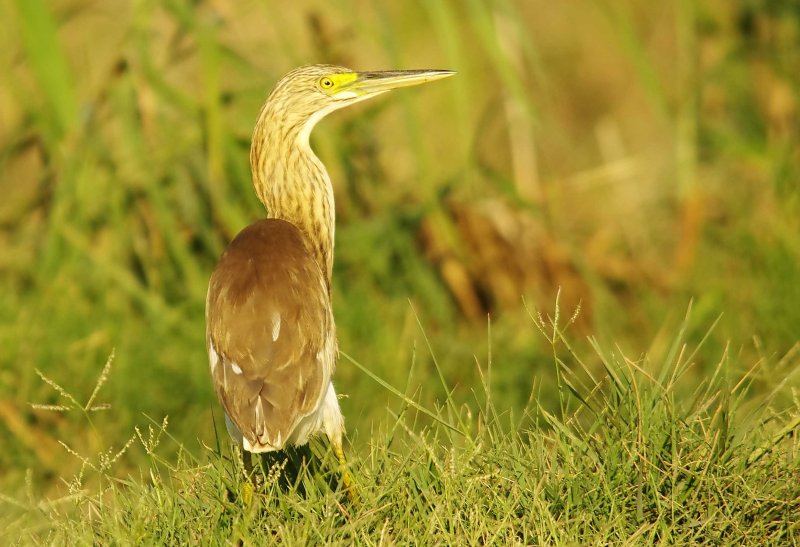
311, 92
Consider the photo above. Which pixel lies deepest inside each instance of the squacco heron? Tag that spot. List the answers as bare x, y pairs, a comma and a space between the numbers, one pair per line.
269, 322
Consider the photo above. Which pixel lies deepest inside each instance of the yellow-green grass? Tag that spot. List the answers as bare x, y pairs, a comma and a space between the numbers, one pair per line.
637, 454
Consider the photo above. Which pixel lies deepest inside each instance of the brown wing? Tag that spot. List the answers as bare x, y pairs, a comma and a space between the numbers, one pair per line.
270, 330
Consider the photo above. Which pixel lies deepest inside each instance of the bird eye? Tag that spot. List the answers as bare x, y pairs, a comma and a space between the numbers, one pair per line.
326, 83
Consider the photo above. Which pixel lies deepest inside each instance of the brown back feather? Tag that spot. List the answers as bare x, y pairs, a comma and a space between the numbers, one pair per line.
267, 272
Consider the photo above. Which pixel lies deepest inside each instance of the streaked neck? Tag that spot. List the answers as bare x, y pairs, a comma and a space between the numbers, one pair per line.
291, 181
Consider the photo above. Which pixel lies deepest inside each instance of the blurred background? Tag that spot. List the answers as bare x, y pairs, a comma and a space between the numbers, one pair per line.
638, 156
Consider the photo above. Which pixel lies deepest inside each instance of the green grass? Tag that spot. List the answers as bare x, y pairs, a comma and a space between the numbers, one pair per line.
625, 460
629, 157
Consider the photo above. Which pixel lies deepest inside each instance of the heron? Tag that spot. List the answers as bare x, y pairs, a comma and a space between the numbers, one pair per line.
270, 330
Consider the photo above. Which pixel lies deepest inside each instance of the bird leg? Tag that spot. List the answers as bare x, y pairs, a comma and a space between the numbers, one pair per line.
247, 463
247, 487
347, 479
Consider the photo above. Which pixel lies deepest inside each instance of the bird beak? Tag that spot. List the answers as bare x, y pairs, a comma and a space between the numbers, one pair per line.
374, 83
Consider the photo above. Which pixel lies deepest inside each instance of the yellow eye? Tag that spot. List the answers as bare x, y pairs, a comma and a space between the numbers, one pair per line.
326, 83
